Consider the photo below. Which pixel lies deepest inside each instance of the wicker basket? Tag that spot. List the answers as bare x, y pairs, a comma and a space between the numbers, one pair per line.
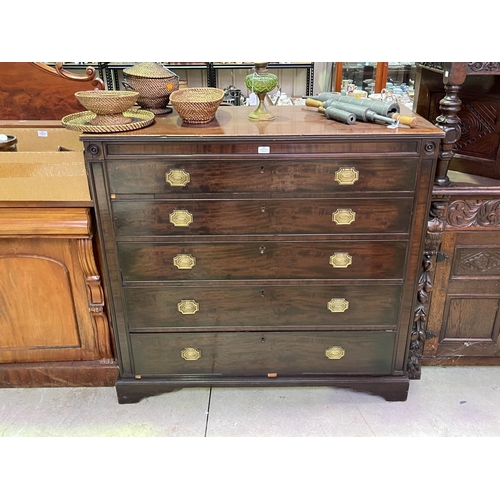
108, 105
107, 102
154, 83
197, 104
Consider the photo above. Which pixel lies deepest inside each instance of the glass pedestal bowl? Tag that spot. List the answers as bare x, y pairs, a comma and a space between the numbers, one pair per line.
261, 82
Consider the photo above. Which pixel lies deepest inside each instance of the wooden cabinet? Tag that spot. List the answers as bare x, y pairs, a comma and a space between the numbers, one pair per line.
459, 296
463, 255
263, 254
53, 317
49, 283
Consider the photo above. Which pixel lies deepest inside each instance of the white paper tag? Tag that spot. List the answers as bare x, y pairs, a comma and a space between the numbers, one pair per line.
43, 133
264, 149
253, 99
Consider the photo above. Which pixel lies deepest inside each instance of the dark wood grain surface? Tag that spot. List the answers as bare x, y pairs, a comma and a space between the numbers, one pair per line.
257, 354
262, 216
304, 123
261, 175
251, 307
264, 259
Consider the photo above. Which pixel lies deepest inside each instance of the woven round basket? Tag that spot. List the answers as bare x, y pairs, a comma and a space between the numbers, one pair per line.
154, 83
197, 104
107, 102
83, 122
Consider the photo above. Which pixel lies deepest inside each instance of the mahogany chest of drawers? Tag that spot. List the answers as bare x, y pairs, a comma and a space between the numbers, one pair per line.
262, 254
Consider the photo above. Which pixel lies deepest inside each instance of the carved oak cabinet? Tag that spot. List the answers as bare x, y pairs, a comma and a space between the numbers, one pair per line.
283, 253
460, 292
462, 271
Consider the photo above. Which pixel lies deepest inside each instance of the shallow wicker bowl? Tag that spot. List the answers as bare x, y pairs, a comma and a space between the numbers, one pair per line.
107, 102
197, 104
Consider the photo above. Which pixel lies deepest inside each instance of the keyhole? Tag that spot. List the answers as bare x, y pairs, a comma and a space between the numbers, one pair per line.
262, 249
262, 293
263, 339
262, 170
262, 209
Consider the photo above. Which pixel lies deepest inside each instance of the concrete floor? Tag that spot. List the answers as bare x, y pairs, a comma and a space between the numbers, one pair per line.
446, 402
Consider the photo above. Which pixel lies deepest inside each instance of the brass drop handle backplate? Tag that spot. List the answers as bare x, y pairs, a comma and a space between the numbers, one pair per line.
346, 176
188, 307
343, 216
335, 352
177, 177
340, 260
184, 261
180, 218
191, 353
339, 305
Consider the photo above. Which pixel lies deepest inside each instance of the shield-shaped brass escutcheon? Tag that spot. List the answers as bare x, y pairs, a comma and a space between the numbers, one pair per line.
346, 176
188, 307
335, 352
177, 177
191, 354
180, 218
184, 261
340, 260
343, 216
338, 305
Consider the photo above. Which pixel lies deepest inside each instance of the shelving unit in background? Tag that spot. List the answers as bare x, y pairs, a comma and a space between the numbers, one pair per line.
215, 68
211, 73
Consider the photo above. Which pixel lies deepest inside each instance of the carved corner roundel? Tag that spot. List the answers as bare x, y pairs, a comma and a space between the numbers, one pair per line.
430, 147
94, 150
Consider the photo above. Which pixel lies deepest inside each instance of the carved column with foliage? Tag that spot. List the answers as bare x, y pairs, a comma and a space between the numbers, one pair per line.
420, 334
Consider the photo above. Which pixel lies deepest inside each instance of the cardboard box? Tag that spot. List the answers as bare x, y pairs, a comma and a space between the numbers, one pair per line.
48, 166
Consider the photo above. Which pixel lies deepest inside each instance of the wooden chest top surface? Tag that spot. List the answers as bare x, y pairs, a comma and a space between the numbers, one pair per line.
232, 121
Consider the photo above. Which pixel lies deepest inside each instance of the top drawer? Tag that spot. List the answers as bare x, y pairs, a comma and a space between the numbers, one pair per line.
185, 177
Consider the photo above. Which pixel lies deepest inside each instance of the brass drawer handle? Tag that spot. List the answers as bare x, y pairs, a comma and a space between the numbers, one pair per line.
338, 305
184, 261
188, 307
340, 260
343, 216
346, 176
177, 177
335, 352
191, 354
180, 218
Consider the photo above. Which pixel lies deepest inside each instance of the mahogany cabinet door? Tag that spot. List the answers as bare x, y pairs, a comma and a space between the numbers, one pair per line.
44, 306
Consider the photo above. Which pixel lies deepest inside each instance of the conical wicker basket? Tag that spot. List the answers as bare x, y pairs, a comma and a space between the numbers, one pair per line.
197, 104
154, 83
